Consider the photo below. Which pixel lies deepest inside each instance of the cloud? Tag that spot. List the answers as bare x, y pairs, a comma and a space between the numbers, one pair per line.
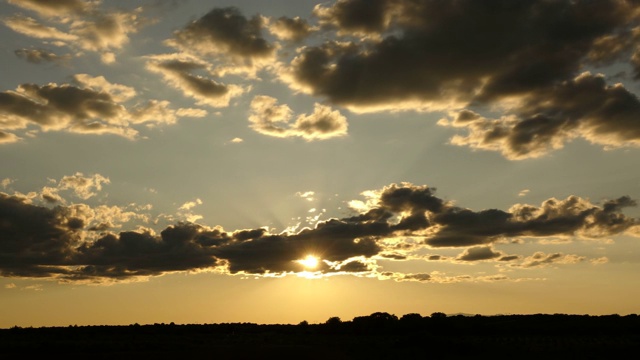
355, 16
307, 195
73, 242
540, 259
478, 253
179, 71
585, 107
426, 55
190, 204
442, 55
269, 118
99, 83
6, 182
39, 56
8, 138
229, 37
441, 278
63, 107
60, 9
155, 112
31, 27
78, 24
291, 29
106, 31
184, 211
82, 186
90, 106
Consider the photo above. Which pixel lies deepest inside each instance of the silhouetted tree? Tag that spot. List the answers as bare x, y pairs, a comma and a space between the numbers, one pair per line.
438, 315
333, 321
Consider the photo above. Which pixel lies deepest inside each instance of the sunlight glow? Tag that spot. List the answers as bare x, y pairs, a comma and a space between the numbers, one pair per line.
310, 262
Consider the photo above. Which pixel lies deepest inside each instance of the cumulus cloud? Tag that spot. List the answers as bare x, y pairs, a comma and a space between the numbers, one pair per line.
76, 242
229, 37
54, 249
62, 107
435, 55
522, 59
90, 106
269, 118
585, 107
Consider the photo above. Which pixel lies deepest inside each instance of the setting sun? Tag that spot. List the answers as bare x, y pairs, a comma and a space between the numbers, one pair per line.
310, 262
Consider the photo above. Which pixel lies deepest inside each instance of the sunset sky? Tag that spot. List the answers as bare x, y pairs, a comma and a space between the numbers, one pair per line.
277, 161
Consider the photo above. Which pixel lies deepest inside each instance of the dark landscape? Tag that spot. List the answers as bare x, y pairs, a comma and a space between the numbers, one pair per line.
377, 336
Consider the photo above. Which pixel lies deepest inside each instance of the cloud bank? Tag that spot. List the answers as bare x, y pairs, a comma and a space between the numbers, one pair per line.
77, 243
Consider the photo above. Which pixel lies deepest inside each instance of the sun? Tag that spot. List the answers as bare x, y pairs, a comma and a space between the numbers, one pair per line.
309, 262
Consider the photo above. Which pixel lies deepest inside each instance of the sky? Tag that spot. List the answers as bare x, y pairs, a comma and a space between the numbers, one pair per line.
278, 161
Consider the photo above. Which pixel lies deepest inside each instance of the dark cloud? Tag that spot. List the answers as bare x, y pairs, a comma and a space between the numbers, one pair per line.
354, 267
90, 106
509, 258
58, 107
572, 216
38, 56
35, 241
179, 247
334, 240
439, 55
355, 16
55, 242
478, 253
584, 107
226, 32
